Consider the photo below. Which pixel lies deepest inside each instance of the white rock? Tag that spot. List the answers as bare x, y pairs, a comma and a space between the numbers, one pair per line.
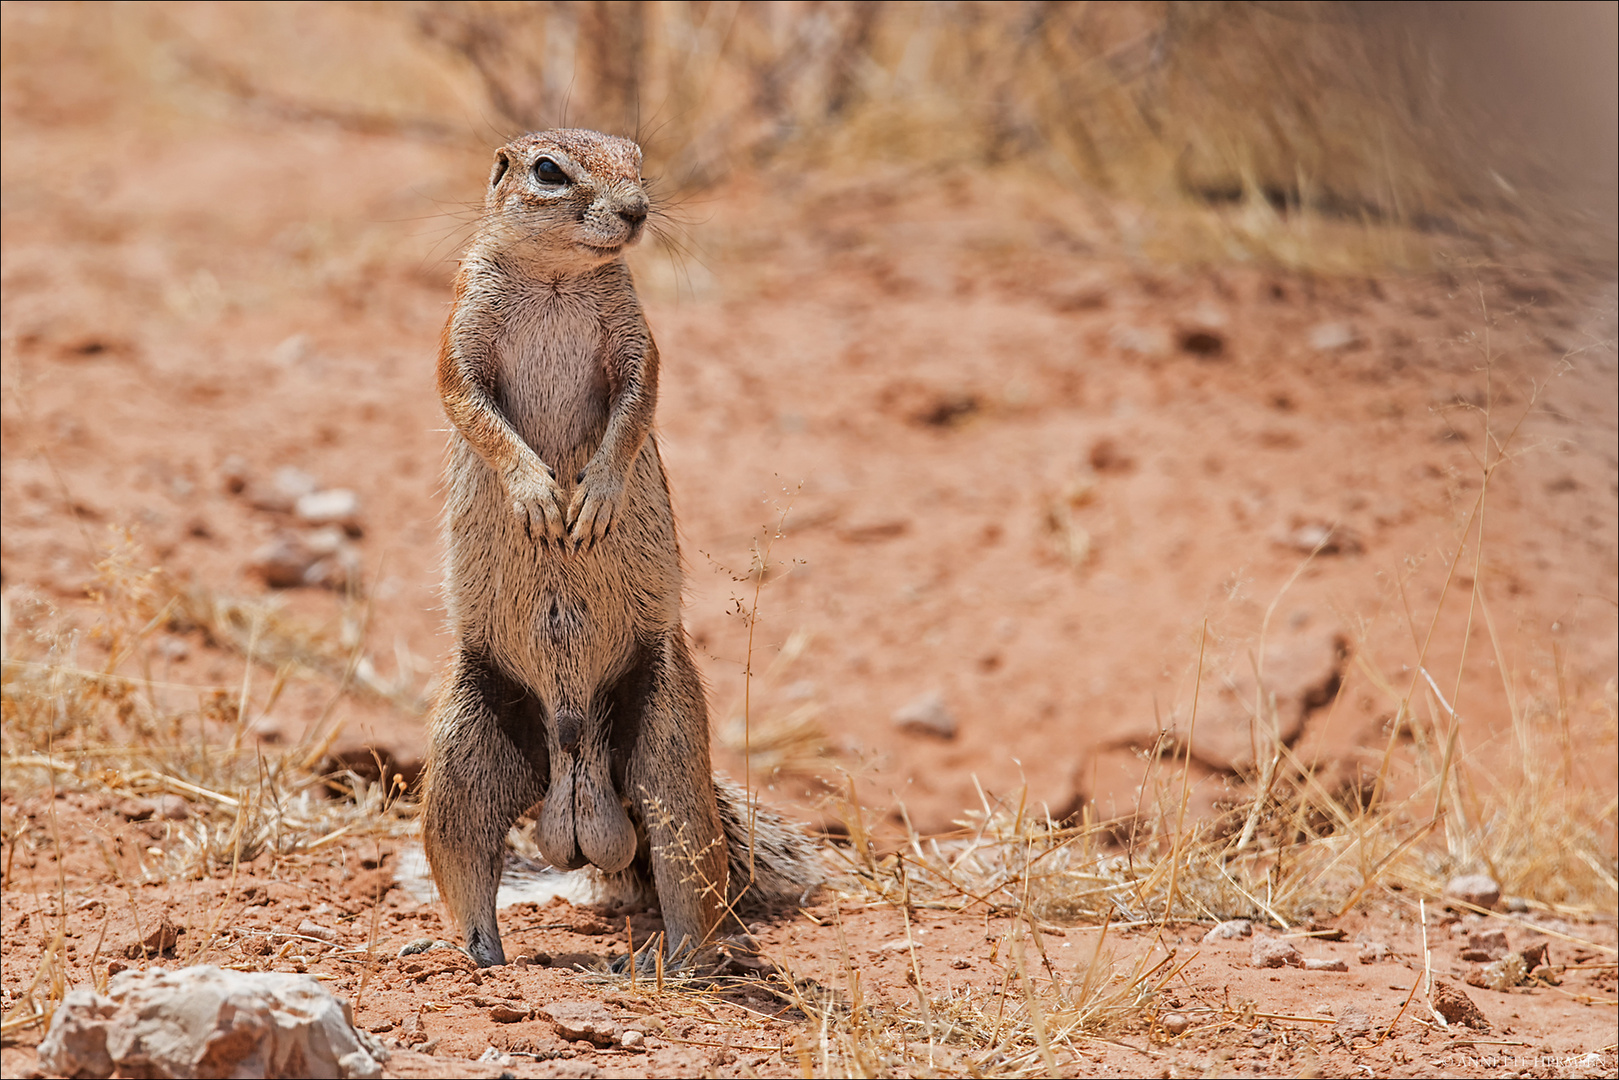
290, 351
1333, 336
1322, 964
203, 1021
1148, 341
1230, 929
283, 492
927, 715
294, 483
334, 506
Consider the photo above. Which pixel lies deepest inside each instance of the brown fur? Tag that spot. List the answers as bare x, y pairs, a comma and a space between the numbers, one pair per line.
572, 684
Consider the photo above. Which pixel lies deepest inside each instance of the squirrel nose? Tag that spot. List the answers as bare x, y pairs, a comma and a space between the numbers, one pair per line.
634, 213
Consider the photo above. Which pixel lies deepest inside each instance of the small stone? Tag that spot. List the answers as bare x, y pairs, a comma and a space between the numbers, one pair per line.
283, 492
321, 558
282, 562
1202, 332
506, 1013
1321, 538
1486, 945
1230, 930
317, 931
173, 649
587, 1020
1321, 964
1479, 890
234, 474
164, 937
290, 351
1174, 1023
1275, 953
1456, 1007
135, 809
1372, 952
1333, 336
927, 715
632, 1040
1140, 341
491, 1056
335, 506
1503, 974
1353, 1024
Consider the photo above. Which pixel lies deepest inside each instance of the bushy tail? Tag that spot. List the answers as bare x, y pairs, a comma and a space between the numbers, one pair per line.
774, 864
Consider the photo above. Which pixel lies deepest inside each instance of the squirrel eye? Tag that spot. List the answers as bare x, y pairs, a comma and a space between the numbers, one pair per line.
549, 172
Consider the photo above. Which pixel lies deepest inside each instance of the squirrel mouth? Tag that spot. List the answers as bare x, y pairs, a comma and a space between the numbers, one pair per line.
601, 249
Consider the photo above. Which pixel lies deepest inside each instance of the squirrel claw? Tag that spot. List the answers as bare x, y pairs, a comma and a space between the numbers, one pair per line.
535, 503
590, 513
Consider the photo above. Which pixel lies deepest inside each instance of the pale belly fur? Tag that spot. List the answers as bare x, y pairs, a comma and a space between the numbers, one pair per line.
561, 622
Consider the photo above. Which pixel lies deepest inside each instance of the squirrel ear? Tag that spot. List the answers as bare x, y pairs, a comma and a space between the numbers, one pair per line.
502, 163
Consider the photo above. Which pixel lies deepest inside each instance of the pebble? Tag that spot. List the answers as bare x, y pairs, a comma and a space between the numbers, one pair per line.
283, 491
927, 715
1175, 1023
1323, 539
1502, 975
234, 474
1486, 945
632, 1040
1480, 890
1140, 341
1333, 336
322, 558
1320, 964
334, 506
1372, 952
313, 929
1230, 930
1274, 953
588, 1020
506, 1013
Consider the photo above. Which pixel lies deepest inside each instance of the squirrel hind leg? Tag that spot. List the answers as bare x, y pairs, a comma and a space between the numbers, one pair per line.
668, 782
478, 781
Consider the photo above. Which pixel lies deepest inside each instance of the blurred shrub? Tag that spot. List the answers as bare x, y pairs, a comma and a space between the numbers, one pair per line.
1341, 109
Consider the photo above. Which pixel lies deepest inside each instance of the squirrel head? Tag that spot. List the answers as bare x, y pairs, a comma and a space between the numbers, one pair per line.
572, 198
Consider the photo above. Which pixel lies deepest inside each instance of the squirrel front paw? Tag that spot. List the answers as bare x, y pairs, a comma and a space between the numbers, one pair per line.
595, 500
537, 500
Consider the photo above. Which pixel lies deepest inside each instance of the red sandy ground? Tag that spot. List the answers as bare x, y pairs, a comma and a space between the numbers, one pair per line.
922, 375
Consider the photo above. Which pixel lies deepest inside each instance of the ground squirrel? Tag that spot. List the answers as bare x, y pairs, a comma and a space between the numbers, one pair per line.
572, 685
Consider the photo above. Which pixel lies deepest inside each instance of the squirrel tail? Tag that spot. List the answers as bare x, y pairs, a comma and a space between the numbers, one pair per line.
774, 864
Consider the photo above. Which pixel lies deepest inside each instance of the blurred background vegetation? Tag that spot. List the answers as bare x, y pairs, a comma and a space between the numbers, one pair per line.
1484, 127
